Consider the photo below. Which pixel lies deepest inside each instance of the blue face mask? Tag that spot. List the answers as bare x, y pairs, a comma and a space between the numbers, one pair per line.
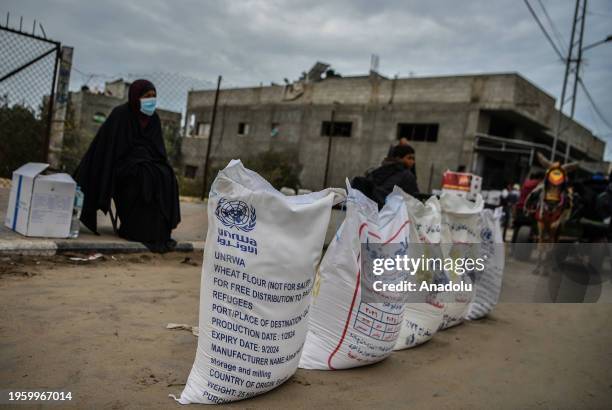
147, 105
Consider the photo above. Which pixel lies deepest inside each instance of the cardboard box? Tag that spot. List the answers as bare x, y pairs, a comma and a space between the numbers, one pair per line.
40, 205
464, 184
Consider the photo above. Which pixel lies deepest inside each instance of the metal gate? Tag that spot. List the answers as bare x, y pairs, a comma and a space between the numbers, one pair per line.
28, 75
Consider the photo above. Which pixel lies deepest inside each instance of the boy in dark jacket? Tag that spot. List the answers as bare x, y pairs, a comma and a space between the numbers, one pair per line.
396, 169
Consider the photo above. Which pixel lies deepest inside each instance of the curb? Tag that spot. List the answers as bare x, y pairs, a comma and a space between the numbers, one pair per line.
25, 247
51, 248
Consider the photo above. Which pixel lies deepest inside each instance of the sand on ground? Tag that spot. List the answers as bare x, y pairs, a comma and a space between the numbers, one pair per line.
97, 329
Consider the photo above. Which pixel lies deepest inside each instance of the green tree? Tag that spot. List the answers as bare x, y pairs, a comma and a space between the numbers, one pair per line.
74, 143
279, 168
172, 140
21, 136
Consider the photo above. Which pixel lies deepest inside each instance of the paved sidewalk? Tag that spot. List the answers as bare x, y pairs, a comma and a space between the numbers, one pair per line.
190, 234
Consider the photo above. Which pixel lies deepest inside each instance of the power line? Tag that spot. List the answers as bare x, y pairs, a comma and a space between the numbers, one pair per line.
568, 62
595, 107
599, 14
554, 27
597, 124
550, 40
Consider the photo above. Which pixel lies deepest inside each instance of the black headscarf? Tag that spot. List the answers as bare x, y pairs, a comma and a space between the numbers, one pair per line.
137, 89
125, 140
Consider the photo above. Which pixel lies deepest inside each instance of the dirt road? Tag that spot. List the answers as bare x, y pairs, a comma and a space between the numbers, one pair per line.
97, 329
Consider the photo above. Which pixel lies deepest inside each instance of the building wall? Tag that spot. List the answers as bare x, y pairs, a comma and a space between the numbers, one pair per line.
374, 131
580, 137
532, 102
86, 104
375, 106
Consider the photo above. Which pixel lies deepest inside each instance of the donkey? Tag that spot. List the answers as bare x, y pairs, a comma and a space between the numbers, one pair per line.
551, 204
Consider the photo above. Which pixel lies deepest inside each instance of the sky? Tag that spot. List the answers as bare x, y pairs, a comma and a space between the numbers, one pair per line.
255, 41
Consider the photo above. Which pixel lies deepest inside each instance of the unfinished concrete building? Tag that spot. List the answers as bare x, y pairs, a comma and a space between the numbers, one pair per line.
492, 124
91, 108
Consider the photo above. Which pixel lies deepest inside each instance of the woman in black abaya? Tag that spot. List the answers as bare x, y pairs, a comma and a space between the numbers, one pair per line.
127, 162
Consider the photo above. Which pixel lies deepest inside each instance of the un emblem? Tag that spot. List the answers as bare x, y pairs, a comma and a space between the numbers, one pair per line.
486, 235
236, 214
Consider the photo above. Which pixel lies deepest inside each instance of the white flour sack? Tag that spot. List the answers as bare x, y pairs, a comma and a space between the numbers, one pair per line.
261, 252
489, 283
422, 320
460, 225
344, 331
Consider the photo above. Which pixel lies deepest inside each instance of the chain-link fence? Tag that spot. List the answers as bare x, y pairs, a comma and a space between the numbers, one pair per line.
27, 78
100, 93
172, 88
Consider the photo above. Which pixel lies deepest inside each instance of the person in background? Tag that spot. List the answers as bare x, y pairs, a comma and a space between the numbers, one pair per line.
515, 192
529, 185
401, 141
509, 198
519, 219
589, 190
127, 162
604, 205
397, 169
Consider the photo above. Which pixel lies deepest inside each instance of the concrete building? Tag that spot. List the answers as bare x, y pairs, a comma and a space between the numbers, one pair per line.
492, 124
89, 108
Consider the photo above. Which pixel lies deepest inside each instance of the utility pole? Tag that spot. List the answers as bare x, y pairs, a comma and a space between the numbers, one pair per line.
569, 61
330, 135
576, 74
210, 139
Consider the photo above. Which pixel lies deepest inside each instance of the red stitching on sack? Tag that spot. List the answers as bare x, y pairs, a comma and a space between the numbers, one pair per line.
350, 312
397, 233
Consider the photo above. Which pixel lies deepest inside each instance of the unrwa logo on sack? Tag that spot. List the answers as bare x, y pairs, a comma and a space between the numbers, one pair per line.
236, 214
486, 235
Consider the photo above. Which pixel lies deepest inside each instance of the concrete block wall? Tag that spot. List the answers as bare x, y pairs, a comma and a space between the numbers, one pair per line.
374, 130
533, 102
374, 105
228, 144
